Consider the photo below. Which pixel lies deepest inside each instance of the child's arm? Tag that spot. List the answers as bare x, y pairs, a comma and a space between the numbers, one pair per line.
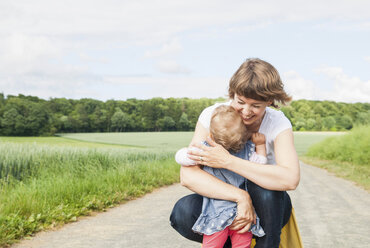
260, 155
259, 140
182, 158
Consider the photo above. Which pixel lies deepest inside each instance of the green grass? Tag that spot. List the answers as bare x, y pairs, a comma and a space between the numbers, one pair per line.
59, 141
347, 156
354, 147
303, 140
44, 185
164, 140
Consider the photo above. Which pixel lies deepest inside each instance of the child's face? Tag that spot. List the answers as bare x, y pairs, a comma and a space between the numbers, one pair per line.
249, 109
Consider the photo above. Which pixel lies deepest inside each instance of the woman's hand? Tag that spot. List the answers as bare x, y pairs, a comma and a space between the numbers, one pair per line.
213, 156
245, 215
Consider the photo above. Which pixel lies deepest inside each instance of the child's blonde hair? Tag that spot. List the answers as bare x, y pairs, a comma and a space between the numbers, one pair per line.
227, 128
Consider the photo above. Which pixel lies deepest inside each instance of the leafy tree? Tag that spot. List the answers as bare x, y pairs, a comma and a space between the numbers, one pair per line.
99, 120
310, 124
363, 118
328, 122
60, 105
169, 123
37, 121
183, 123
29, 115
120, 121
165, 124
66, 124
300, 125
344, 122
13, 123
288, 111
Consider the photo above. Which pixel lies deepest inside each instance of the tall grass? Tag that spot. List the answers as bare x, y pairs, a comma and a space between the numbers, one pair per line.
353, 147
347, 156
43, 186
304, 140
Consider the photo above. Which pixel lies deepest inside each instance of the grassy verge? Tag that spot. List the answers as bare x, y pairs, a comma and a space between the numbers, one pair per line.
347, 156
304, 140
48, 186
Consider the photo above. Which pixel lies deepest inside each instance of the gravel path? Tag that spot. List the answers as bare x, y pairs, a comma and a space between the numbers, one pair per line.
331, 212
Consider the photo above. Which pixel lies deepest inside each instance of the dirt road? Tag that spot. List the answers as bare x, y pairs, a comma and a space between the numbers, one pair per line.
331, 212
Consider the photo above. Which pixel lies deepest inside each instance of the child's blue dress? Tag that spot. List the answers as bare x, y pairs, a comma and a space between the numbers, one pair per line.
218, 214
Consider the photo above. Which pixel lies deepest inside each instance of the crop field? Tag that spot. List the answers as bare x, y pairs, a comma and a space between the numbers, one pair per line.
303, 140
164, 140
48, 181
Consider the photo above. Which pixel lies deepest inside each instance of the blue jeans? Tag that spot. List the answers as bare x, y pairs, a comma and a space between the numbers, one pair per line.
272, 207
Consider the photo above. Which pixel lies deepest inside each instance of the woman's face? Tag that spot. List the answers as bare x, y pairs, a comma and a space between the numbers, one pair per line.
249, 109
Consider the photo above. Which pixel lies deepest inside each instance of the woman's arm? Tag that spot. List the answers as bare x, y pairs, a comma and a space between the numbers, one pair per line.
203, 183
284, 175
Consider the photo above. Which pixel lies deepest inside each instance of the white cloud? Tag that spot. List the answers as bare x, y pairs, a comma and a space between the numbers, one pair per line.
22, 53
168, 49
165, 58
38, 39
132, 20
367, 59
298, 87
346, 88
87, 58
182, 86
172, 67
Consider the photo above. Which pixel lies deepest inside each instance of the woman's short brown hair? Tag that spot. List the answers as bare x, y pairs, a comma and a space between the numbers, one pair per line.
227, 128
259, 80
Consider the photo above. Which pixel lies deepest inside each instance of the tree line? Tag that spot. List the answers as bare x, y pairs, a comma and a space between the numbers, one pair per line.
31, 116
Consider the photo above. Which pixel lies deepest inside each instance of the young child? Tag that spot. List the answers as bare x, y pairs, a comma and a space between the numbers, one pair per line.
228, 130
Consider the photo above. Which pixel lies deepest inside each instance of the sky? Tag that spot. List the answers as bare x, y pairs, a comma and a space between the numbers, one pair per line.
118, 49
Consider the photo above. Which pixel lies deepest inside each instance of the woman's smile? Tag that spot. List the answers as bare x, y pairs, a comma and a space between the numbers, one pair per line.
249, 109
247, 118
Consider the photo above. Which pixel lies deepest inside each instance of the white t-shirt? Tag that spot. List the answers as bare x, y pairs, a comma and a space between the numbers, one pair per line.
273, 123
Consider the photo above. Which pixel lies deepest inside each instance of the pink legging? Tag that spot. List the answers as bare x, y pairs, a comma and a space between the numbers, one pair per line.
218, 239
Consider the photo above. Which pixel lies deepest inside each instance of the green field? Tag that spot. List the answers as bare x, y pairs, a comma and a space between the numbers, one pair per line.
176, 140
303, 140
164, 140
48, 181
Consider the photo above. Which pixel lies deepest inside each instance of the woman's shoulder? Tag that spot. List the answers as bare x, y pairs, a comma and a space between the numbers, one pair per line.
275, 114
274, 122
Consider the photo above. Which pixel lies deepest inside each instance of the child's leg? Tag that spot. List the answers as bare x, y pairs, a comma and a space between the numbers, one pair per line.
216, 240
240, 240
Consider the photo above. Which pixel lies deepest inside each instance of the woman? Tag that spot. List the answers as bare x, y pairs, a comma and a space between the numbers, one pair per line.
254, 86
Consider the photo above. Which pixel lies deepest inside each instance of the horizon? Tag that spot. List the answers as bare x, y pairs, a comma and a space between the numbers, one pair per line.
134, 98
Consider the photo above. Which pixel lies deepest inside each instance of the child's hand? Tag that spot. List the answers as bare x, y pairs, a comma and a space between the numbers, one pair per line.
258, 139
